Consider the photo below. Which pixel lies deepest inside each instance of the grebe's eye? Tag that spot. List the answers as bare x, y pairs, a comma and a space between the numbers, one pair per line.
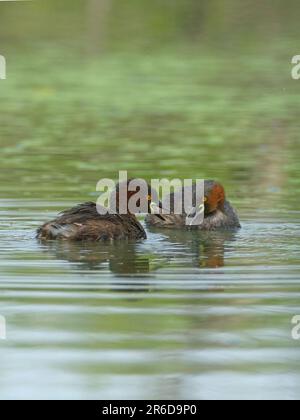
205, 199
149, 198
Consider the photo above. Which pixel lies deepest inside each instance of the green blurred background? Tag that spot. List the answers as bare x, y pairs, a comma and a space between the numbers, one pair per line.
188, 88
161, 88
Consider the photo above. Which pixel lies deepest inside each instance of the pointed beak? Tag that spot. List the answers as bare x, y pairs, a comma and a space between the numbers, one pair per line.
157, 209
196, 216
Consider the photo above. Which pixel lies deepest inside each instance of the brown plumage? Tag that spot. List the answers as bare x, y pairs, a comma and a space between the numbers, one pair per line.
84, 223
218, 212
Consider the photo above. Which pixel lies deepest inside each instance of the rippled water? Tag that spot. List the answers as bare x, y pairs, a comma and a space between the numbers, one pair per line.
195, 90
180, 315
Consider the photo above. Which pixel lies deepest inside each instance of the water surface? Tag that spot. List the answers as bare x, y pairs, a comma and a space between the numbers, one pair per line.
181, 315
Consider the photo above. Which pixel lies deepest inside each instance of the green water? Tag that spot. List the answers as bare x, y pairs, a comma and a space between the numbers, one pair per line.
180, 315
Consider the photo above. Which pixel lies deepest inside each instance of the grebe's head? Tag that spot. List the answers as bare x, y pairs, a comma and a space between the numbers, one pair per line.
134, 196
214, 197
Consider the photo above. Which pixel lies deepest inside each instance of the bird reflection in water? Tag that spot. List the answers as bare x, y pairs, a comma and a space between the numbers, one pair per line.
119, 258
194, 249
185, 249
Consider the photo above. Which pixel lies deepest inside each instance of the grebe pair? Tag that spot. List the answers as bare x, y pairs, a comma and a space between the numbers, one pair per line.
84, 223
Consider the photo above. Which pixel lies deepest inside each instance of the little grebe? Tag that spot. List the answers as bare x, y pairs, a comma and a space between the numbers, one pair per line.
218, 212
84, 223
